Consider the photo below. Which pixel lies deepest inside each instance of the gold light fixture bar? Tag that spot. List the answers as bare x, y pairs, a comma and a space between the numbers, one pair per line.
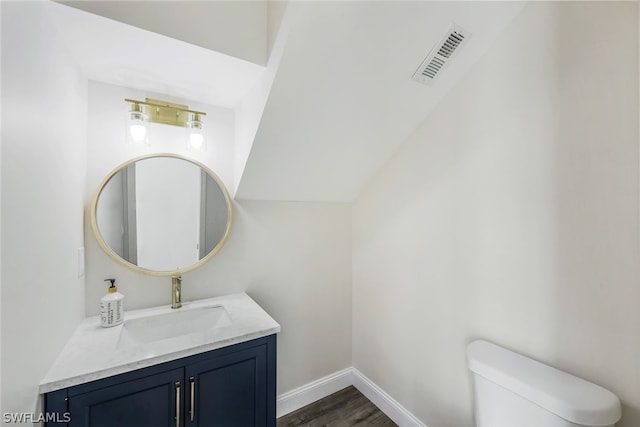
165, 112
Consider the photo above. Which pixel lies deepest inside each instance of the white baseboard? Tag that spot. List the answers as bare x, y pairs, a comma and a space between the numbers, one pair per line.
387, 404
309, 393
316, 390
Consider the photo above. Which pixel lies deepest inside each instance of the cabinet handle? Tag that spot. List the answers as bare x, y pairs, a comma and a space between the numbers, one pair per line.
192, 410
178, 404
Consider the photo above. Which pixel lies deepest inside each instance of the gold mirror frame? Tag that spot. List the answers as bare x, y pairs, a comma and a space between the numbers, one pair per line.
113, 255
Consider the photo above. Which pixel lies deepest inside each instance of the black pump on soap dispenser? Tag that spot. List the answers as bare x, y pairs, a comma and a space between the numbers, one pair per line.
111, 306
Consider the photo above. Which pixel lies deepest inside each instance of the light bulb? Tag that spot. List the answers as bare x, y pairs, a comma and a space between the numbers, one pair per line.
196, 140
138, 132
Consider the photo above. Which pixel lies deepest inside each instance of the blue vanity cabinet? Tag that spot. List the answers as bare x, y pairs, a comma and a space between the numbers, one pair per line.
149, 401
233, 386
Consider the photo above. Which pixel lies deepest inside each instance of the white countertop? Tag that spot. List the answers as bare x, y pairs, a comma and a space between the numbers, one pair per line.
92, 351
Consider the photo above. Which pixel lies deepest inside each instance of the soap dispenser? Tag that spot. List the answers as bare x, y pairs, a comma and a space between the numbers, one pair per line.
111, 306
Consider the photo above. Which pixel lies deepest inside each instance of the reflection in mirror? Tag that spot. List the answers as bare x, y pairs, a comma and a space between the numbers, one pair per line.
162, 214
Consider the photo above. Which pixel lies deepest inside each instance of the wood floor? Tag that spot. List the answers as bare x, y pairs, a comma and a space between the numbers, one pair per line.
348, 407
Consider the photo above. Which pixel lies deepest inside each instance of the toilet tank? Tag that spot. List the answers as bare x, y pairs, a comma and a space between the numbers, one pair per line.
512, 390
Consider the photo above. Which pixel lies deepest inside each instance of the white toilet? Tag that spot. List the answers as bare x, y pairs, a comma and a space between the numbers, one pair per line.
512, 390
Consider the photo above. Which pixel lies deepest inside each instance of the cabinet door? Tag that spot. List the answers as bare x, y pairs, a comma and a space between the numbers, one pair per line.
151, 401
228, 390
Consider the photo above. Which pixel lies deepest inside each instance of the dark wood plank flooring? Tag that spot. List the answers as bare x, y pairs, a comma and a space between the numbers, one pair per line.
347, 407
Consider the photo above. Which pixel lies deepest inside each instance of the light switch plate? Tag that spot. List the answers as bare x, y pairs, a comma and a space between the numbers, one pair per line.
81, 262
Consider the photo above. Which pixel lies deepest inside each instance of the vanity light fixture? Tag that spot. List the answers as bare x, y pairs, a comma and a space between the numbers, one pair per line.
157, 111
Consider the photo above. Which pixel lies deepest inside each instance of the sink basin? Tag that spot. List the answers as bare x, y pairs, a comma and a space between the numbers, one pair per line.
177, 323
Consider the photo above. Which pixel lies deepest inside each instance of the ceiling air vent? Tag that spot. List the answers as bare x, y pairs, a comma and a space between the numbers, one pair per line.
441, 55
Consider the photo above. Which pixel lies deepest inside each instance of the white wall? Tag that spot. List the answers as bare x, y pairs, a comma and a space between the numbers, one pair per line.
250, 110
0, 217
293, 258
511, 214
43, 150
275, 13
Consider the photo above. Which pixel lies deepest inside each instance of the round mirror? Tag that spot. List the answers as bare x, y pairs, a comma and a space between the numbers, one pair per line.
161, 214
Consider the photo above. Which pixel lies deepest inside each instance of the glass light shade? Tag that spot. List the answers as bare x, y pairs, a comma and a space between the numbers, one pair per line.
136, 127
195, 134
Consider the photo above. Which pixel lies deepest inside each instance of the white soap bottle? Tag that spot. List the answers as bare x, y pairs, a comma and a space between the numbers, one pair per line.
111, 306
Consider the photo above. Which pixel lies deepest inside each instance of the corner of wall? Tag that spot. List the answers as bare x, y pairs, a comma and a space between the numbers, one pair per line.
249, 111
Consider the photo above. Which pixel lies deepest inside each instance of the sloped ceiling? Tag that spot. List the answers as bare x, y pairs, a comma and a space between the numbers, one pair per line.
113, 52
235, 28
343, 99
340, 101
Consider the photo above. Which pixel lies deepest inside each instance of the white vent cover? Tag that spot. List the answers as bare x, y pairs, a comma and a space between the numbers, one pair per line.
441, 55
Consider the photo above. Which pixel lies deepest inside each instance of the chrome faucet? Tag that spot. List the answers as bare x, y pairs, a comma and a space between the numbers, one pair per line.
176, 291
